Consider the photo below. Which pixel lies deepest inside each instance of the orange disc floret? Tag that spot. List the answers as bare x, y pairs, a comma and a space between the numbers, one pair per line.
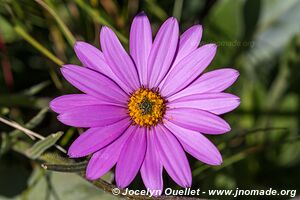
146, 107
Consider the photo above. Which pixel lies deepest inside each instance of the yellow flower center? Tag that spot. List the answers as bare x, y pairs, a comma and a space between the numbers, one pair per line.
146, 107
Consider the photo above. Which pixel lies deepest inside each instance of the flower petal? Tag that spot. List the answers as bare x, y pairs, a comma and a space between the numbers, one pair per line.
93, 58
197, 120
118, 59
103, 160
152, 168
94, 84
196, 144
140, 44
172, 156
96, 138
189, 41
217, 103
210, 82
188, 69
131, 157
93, 116
162, 52
67, 102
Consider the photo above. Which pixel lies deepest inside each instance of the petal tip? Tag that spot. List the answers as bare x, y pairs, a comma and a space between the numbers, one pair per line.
121, 185
197, 28
187, 184
73, 154
210, 48
238, 99
61, 118
52, 104
71, 151
141, 14
65, 68
70, 154
231, 71
69, 68
78, 44
172, 20
213, 46
104, 30
90, 175
216, 163
218, 160
236, 73
227, 128
200, 27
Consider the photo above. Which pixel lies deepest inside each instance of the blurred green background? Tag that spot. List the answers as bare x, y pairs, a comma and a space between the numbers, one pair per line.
260, 38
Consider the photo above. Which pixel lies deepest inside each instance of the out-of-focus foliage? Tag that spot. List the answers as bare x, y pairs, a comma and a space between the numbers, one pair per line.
260, 38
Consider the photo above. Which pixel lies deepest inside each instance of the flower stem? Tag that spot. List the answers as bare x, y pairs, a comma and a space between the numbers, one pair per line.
71, 39
37, 45
177, 9
28, 132
95, 16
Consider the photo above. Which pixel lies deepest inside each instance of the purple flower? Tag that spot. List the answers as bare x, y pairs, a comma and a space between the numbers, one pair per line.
144, 111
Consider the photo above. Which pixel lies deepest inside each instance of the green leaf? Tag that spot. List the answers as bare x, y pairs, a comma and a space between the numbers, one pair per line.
54, 158
66, 167
36, 120
66, 186
36, 88
41, 146
279, 22
7, 30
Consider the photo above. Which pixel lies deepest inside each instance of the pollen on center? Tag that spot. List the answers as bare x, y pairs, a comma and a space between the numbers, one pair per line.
146, 107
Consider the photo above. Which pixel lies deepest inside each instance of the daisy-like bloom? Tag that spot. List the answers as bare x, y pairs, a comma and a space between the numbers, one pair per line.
143, 111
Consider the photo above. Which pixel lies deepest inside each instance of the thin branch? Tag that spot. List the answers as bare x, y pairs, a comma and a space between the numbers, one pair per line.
177, 9
110, 187
94, 14
37, 45
28, 132
71, 39
79, 168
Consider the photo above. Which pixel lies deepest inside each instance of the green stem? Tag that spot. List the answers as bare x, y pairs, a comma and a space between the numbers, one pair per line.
95, 16
55, 78
72, 167
156, 10
71, 39
177, 9
37, 45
